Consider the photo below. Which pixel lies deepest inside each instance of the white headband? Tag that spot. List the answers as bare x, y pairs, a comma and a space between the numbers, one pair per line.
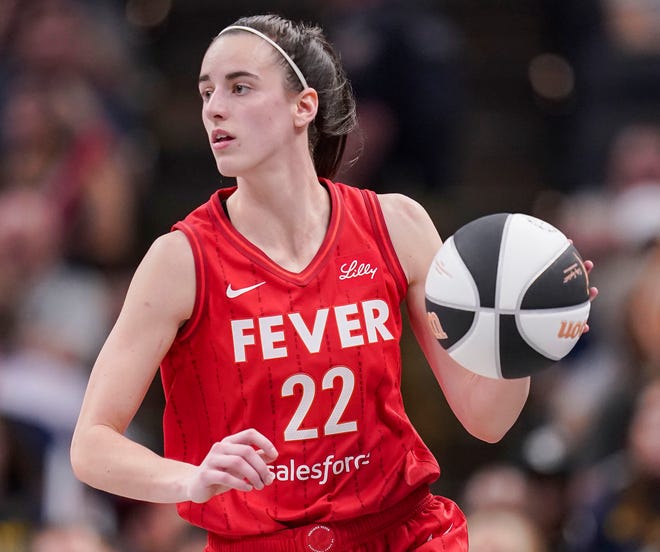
274, 44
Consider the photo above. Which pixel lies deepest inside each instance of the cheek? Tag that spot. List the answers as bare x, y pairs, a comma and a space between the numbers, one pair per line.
269, 129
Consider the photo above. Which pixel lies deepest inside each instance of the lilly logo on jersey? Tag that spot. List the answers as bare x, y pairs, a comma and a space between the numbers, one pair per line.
355, 269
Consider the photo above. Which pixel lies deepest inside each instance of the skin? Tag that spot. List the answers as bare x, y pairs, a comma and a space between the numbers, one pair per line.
242, 85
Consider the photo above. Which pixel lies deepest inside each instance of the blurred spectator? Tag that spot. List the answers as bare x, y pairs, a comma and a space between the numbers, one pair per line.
69, 114
8, 9
613, 50
56, 308
19, 487
625, 514
634, 27
60, 316
82, 40
527, 508
147, 527
57, 141
28, 232
68, 538
409, 129
640, 315
502, 530
193, 540
643, 313
504, 514
72, 177
496, 486
623, 212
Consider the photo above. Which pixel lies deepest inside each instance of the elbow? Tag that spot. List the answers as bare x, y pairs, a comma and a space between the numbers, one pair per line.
77, 458
490, 427
492, 408
494, 437
489, 435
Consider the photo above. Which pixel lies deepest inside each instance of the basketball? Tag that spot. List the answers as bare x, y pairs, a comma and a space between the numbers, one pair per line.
507, 295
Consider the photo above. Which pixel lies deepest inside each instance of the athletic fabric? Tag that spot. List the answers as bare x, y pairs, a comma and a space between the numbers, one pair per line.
309, 359
421, 522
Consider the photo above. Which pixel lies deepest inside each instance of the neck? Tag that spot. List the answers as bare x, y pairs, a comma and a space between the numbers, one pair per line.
285, 215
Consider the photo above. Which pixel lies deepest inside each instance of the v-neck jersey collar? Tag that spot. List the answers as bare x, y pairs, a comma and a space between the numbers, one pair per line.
257, 256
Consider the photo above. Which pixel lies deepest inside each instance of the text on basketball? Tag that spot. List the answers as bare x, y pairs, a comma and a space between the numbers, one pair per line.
570, 329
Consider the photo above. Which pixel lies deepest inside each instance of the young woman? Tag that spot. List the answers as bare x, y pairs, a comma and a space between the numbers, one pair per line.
273, 313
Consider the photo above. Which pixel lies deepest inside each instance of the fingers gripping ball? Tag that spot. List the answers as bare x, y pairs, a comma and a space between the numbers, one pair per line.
506, 295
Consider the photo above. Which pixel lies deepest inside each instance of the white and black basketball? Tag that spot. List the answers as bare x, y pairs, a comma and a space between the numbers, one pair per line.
507, 295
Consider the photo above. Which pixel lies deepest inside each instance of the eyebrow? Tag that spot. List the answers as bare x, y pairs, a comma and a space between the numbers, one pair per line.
230, 76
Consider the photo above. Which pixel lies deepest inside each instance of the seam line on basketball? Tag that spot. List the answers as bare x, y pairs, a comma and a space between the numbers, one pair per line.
568, 308
534, 277
497, 311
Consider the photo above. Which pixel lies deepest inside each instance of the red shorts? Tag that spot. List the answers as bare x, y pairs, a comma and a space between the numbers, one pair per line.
422, 522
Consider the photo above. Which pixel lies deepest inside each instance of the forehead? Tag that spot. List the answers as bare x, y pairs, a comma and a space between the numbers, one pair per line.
239, 51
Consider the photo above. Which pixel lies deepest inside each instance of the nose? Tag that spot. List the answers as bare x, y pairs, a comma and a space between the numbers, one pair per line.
215, 108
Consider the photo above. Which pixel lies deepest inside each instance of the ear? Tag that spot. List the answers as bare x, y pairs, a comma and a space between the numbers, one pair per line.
307, 104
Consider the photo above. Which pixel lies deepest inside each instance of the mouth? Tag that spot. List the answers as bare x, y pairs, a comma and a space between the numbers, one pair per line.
219, 138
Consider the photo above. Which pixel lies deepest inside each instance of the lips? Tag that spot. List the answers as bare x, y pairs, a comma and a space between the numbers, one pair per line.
220, 138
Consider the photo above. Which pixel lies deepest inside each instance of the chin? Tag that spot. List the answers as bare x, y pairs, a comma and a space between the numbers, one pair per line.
225, 169
233, 169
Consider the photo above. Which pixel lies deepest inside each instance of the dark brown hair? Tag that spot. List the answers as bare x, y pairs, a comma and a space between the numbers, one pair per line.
320, 64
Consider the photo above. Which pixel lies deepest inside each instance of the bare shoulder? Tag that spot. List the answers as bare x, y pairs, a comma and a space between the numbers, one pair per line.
412, 232
166, 275
172, 247
398, 206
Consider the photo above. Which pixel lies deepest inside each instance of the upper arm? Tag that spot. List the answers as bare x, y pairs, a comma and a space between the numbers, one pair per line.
416, 241
160, 298
413, 235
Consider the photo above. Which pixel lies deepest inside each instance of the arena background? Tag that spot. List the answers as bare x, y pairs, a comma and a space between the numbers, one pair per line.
547, 107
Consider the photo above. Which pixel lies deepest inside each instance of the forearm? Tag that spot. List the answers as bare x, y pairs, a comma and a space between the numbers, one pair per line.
107, 460
488, 407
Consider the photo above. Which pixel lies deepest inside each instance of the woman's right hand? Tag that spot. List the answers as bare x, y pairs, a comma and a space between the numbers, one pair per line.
239, 461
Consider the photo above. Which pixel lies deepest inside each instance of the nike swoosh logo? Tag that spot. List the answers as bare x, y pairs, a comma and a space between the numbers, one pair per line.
233, 293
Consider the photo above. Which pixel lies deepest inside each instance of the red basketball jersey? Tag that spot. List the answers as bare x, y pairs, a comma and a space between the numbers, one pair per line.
309, 359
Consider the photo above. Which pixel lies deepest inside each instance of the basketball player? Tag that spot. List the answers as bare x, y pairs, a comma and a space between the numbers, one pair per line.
273, 312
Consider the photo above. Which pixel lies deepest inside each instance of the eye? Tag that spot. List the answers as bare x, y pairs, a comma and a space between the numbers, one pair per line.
206, 94
240, 89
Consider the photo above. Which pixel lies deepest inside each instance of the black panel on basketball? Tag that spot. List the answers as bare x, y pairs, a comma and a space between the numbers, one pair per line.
517, 358
455, 322
563, 284
478, 244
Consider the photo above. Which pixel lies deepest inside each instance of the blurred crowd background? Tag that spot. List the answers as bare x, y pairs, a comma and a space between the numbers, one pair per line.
547, 107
